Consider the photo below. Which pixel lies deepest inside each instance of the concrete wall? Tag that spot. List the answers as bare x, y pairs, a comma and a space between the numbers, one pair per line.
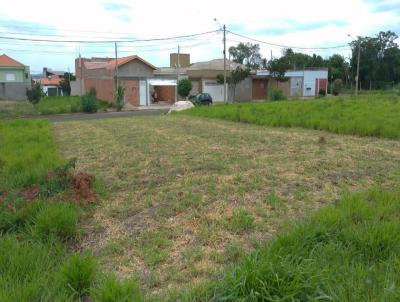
243, 90
76, 88
135, 68
18, 73
14, 91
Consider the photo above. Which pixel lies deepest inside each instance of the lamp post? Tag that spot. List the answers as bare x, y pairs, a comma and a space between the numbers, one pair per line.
358, 63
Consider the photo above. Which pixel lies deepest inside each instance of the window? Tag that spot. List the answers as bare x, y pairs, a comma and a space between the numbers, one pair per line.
10, 77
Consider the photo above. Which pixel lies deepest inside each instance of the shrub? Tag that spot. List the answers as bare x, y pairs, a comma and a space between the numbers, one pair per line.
89, 102
119, 97
184, 87
56, 220
114, 290
35, 94
276, 95
337, 86
78, 273
321, 93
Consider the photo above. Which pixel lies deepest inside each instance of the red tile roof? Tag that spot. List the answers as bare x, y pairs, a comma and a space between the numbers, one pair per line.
7, 61
110, 63
52, 80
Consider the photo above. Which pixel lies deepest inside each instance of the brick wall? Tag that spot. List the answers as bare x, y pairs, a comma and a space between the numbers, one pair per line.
104, 88
131, 91
165, 93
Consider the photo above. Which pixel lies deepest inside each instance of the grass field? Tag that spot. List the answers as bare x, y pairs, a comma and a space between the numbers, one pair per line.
63, 104
189, 196
37, 234
367, 115
27, 153
347, 252
16, 109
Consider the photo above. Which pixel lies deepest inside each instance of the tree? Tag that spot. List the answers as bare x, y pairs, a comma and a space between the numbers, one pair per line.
337, 86
379, 60
184, 87
236, 76
248, 54
65, 84
278, 67
35, 93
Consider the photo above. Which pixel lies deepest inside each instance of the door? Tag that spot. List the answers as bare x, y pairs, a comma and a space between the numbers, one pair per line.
214, 89
143, 93
296, 86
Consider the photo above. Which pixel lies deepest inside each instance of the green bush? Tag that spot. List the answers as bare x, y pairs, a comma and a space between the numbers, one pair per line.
114, 290
78, 273
321, 93
184, 87
56, 220
89, 101
119, 97
337, 86
35, 93
276, 95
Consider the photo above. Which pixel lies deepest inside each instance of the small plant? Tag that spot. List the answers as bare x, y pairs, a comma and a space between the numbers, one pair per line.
276, 95
184, 87
89, 101
119, 97
241, 221
35, 94
56, 220
337, 87
114, 290
77, 274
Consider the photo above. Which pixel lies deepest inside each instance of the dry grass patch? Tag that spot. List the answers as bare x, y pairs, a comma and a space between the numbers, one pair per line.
189, 196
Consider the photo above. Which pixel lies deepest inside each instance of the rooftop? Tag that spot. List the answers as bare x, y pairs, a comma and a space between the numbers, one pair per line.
9, 62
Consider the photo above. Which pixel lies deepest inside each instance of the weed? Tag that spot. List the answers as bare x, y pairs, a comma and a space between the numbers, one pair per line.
77, 274
241, 221
114, 290
154, 246
56, 220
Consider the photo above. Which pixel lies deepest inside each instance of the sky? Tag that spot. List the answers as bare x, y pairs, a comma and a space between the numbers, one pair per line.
306, 23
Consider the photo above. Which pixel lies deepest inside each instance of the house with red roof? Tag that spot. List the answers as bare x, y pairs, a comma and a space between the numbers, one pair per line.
50, 82
102, 74
15, 79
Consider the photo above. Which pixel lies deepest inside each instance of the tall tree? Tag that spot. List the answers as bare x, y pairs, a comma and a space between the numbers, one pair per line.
65, 84
246, 53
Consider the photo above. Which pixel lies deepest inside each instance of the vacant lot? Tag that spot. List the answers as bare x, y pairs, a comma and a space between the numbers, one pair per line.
367, 115
15, 109
189, 196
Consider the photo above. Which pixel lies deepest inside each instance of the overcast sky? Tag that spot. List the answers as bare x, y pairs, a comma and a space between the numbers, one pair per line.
305, 23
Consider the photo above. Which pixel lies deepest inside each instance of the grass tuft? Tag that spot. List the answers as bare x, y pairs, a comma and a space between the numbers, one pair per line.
114, 290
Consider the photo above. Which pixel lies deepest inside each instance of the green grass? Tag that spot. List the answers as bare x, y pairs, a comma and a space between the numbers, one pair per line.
27, 153
366, 115
189, 196
348, 252
63, 104
16, 109
35, 262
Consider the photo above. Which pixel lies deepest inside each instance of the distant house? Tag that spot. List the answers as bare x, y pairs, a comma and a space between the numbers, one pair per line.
300, 83
50, 82
15, 79
101, 74
203, 76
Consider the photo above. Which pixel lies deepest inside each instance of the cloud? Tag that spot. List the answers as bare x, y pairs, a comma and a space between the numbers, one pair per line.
383, 6
113, 6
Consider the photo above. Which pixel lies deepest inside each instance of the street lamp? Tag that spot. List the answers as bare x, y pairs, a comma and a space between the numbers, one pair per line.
224, 29
358, 62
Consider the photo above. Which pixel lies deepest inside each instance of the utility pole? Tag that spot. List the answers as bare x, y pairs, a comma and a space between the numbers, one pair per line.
81, 69
116, 66
224, 63
358, 65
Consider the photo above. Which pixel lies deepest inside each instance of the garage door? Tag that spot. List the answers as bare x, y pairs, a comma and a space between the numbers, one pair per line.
214, 89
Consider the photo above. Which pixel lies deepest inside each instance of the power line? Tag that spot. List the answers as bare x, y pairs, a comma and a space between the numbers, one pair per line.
286, 46
108, 41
